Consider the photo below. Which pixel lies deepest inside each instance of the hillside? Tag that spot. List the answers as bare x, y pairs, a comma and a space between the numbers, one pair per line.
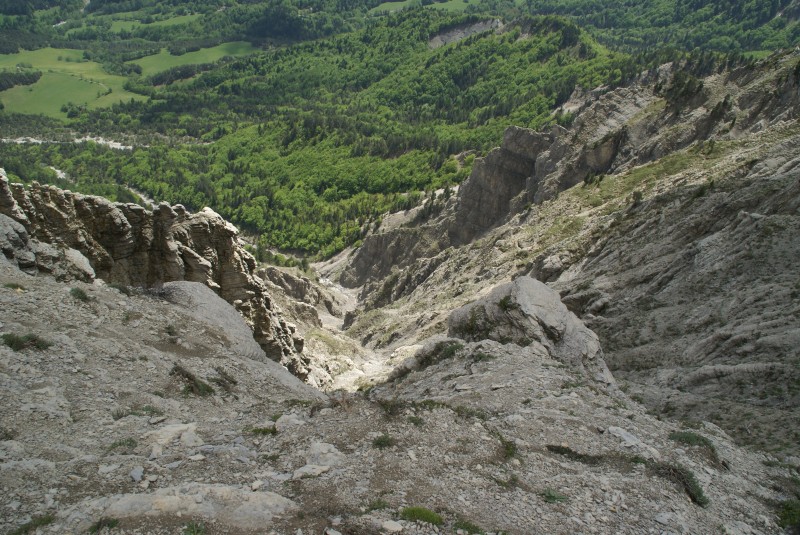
358, 268
153, 410
255, 108
668, 224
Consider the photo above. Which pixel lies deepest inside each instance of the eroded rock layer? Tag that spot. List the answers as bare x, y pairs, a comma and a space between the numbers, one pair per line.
81, 237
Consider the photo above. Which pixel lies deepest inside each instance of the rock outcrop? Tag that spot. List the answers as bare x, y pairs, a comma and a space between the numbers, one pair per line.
81, 236
675, 243
525, 312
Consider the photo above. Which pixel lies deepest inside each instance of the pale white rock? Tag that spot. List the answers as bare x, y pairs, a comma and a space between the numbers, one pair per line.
228, 505
320, 453
310, 470
137, 473
104, 469
392, 526
287, 421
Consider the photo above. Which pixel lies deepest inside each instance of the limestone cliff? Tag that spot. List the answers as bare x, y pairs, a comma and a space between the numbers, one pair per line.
666, 215
78, 236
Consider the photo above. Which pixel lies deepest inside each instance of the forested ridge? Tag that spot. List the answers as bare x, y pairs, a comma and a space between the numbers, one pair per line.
342, 114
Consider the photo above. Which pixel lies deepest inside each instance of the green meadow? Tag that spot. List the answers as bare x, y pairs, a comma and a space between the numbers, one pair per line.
451, 5
120, 24
164, 60
66, 77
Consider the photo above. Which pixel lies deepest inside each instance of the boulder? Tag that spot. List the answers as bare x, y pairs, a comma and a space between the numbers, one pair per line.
524, 312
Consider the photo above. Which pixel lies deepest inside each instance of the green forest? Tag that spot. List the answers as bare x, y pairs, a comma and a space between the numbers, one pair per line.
302, 121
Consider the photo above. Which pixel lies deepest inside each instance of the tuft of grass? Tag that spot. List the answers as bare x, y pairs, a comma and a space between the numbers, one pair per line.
103, 523
691, 438
573, 455
469, 527
384, 441
510, 483
481, 357
194, 528
79, 294
508, 448
123, 443
441, 351
552, 496
416, 420
27, 341
376, 505
421, 514
685, 478
392, 407
789, 515
506, 304
33, 525
13, 286
194, 385
171, 330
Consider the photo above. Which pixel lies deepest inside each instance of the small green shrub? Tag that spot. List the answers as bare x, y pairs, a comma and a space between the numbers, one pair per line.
13, 286
481, 357
414, 514
33, 525
193, 385
510, 483
392, 407
573, 455
469, 527
684, 478
416, 420
28, 341
194, 528
376, 505
552, 496
103, 523
171, 330
789, 514
691, 438
384, 441
508, 448
506, 304
79, 294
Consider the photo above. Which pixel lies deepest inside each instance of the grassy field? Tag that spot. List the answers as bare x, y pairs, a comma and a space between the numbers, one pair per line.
164, 60
450, 5
128, 24
68, 79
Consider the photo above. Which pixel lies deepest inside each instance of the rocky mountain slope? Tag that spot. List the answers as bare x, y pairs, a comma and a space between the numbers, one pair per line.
666, 216
468, 392
156, 412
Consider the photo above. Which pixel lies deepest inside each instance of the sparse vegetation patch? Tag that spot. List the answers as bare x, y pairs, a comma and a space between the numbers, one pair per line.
79, 294
421, 514
193, 384
33, 525
27, 341
384, 441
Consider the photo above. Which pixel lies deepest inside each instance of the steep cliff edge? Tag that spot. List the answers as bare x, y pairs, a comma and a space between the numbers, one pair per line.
81, 237
667, 217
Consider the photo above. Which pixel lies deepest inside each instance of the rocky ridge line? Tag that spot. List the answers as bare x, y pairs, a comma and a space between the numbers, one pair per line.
84, 237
